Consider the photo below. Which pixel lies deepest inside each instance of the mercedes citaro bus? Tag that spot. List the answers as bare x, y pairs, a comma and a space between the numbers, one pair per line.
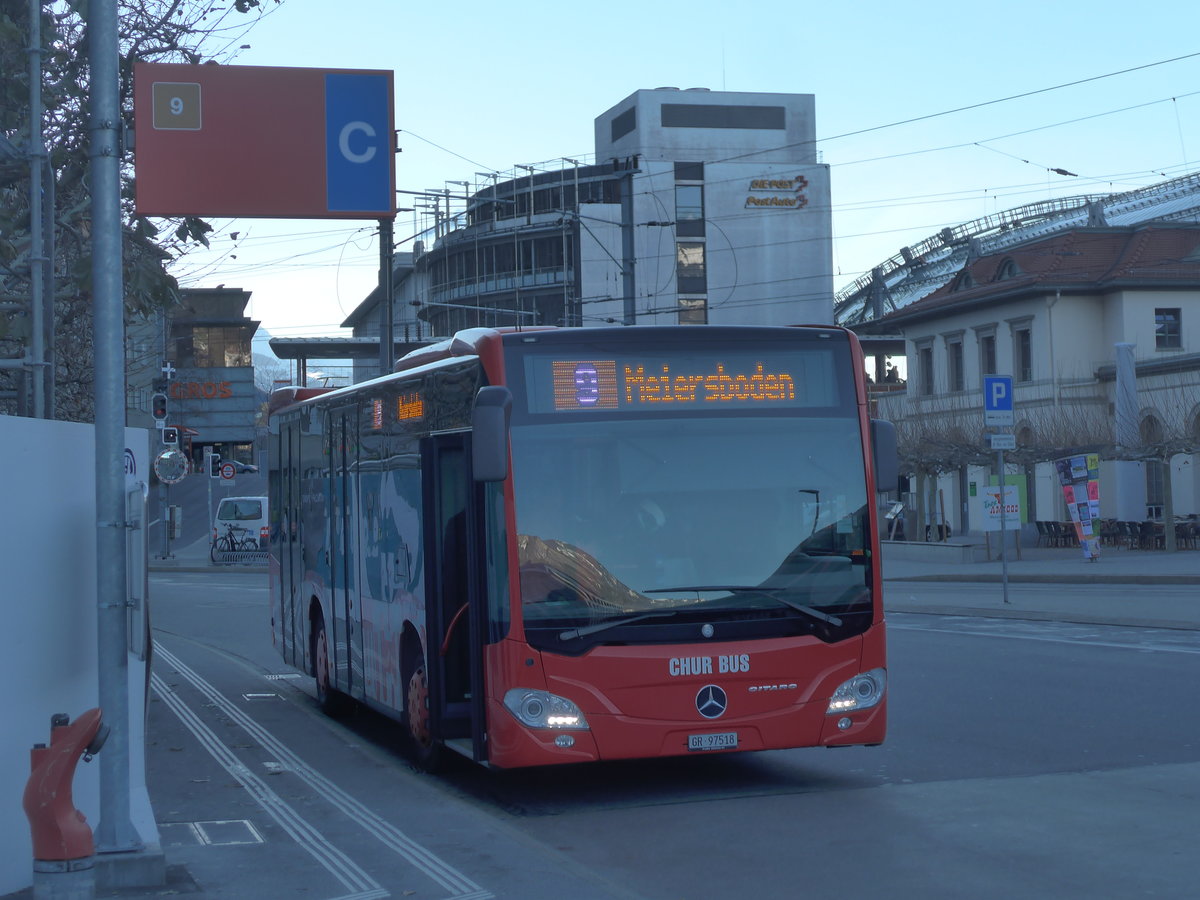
541, 546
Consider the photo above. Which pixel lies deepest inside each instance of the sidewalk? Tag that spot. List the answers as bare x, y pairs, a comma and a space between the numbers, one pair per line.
1158, 582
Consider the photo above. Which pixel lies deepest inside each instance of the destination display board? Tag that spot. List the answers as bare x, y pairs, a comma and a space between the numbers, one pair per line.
663, 381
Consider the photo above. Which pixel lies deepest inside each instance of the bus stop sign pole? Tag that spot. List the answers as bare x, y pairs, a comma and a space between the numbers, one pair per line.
115, 831
998, 411
1003, 527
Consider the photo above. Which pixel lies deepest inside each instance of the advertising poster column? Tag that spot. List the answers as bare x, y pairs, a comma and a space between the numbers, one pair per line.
1080, 480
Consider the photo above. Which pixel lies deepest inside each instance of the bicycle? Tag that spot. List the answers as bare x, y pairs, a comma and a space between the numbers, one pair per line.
235, 538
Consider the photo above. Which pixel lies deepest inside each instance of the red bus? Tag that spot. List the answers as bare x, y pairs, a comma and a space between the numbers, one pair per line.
551, 545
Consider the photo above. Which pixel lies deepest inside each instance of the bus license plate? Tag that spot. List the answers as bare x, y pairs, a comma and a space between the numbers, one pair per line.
725, 740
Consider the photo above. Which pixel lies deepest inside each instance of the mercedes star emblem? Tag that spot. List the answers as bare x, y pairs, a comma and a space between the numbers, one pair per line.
711, 701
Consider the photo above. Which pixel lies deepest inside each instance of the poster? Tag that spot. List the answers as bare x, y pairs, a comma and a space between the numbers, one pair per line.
992, 508
1080, 480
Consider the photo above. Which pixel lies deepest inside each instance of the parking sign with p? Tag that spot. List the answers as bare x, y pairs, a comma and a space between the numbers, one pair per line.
997, 401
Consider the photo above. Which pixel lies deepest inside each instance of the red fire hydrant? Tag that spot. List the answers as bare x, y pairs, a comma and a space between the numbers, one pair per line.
63, 849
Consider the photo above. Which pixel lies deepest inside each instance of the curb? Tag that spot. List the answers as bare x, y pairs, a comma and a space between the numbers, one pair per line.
162, 565
1114, 578
1030, 615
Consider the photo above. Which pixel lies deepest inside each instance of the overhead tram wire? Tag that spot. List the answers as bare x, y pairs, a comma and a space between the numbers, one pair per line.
968, 107
966, 144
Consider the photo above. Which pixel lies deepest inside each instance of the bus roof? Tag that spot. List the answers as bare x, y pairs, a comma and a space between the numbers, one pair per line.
283, 397
464, 343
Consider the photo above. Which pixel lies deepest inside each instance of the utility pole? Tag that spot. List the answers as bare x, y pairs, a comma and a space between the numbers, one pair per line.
387, 250
115, 831
628, 282
37, 242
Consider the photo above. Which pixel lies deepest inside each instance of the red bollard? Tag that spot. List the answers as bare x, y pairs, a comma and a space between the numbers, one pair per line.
63, 849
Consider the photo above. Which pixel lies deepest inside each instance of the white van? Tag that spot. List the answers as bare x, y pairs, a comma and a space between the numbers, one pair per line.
246, 513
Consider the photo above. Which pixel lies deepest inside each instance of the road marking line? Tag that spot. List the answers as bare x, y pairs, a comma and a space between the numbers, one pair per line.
462, 887
305, 835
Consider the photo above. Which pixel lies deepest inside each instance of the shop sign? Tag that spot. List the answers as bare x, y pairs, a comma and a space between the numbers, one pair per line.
777, 193
200, 390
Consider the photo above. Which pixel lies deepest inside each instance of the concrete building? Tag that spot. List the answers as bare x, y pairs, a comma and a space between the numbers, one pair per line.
701, 207
211, 391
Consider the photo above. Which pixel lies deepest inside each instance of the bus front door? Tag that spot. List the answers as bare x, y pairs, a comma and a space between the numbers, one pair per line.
455, 606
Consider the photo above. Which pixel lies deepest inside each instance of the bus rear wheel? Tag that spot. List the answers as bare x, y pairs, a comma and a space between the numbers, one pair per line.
332, 701
425, 750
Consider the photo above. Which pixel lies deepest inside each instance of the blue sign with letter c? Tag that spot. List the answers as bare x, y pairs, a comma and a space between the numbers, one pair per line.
358, 143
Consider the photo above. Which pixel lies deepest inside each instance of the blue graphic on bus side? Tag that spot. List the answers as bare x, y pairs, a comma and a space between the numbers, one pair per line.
358, 144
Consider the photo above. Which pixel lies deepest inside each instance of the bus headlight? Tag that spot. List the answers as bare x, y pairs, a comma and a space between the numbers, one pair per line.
860, 692
539, 709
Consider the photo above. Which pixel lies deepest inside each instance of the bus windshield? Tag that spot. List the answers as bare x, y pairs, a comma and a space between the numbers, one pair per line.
642, 522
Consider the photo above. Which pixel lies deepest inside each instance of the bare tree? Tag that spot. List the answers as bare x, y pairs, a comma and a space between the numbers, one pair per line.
944, 433
188, 31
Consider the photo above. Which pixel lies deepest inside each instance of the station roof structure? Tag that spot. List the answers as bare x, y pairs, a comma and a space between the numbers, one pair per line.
363, 347
916, 272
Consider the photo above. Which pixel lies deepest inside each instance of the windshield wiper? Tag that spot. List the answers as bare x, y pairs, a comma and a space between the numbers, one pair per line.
766, 592
612, 623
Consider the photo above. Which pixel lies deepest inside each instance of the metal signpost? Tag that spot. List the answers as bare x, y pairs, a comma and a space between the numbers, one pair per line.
998, 413
171, 466
324, 140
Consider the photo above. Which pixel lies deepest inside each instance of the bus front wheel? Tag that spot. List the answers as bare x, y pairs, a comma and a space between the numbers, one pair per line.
424, 746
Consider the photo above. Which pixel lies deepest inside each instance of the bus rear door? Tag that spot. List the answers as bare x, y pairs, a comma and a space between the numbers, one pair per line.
347, 628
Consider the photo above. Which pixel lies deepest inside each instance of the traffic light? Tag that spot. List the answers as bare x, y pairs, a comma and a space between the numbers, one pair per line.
214, 465
158, 407
170, 436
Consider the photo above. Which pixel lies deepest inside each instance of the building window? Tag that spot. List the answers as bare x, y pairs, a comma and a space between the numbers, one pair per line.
1167, 332
623, 123
1150, 431
693, 311
925, 370
709, 115
987, 355
689, 171
1008, 269
689, 210
1023, 354
213, 347
690, 273
954, 364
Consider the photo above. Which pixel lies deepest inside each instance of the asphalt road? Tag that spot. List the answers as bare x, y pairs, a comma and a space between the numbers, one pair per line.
1032, 759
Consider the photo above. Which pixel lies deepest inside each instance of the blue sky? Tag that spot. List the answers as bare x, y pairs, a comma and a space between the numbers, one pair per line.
482, 87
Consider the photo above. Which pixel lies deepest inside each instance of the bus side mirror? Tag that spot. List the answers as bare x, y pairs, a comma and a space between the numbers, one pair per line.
886, 456
489, 433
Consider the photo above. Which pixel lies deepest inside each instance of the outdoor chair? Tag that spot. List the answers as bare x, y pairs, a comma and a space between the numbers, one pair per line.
1055, 532
1043, 534
1149, 537
1110, 533
1185, 535
1130, 535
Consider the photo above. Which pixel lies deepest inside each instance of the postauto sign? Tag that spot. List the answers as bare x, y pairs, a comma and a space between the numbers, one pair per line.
263, 141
